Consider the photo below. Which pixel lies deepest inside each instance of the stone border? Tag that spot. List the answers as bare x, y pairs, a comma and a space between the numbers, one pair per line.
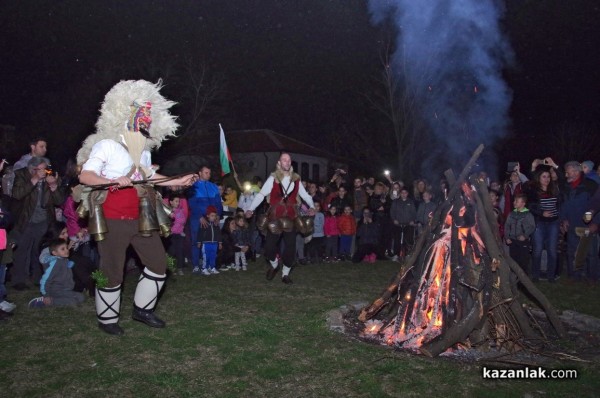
335, 318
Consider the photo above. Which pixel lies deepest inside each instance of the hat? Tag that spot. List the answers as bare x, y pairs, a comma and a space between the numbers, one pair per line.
589, 164
211, 209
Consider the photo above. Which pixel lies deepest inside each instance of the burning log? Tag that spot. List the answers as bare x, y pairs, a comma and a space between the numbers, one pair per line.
458, 285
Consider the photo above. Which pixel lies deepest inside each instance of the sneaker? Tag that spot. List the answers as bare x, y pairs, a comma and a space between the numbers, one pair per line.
237, 268
244, 268
180, 272
257, 255
205, 272
395, 258
214, 271
37, 302
224, 268
7, 306
196, 271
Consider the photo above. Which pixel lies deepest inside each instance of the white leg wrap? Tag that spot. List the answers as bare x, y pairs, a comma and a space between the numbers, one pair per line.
286, 271
148, 288
108, 304
274, 263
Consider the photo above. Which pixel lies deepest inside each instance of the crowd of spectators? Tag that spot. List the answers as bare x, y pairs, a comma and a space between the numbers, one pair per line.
547, 216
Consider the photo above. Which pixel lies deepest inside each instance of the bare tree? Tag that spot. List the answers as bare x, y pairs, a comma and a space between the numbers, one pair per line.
574, 141
203, 90
399, 102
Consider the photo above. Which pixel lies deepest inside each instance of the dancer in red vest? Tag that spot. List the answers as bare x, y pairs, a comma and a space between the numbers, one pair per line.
282, 189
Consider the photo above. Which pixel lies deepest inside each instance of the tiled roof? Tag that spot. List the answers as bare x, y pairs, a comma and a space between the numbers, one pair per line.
244, 141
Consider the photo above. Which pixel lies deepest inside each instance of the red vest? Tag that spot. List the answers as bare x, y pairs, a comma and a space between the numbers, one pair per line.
282, 206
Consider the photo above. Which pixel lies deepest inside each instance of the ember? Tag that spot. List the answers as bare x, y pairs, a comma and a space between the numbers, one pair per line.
455, 288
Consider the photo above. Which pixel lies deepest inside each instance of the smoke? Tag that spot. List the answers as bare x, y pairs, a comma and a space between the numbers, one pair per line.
450, 55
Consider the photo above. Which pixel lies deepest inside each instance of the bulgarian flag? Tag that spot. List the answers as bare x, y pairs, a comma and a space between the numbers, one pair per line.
224, 155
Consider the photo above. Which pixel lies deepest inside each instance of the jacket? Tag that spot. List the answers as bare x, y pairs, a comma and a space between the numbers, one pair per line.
319, 228
347, 224
331, 227
576, 201
519, 223
368, 233
204, 194
26, 194
241, 236
212, 233
403, 211
58, 275
423, 212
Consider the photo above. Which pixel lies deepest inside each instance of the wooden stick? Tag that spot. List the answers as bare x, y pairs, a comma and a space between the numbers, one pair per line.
146, 181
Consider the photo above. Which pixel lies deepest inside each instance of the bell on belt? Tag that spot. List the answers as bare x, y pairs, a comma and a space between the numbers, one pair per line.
274, 227
147, 220
261, 223
287, 225
97, 224
82, 212
304, 224
164, 221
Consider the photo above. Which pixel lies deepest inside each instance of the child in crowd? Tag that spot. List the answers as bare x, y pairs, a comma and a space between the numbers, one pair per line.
425, 211
209, 240
230, 198
315, 246
518, 229
367, 237
347, 228
57, 282
176, 241
6, 249
241, 239
226, 257
332, 234
495, 199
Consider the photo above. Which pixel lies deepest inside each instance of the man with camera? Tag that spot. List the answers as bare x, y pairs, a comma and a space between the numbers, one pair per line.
36, 190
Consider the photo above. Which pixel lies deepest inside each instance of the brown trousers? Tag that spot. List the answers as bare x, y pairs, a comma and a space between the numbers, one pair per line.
121, 234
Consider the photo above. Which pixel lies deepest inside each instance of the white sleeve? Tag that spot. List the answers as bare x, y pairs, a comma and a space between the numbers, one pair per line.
264, 191
99, 156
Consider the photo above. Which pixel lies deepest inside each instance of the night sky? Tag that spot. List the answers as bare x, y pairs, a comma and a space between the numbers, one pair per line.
301, 68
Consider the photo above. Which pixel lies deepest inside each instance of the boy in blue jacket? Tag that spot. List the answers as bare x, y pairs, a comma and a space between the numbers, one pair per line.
57, 282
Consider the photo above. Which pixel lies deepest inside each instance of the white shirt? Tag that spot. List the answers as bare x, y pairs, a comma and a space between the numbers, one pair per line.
109, 159
287, 189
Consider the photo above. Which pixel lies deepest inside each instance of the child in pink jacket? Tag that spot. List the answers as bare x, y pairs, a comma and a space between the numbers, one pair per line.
332, 234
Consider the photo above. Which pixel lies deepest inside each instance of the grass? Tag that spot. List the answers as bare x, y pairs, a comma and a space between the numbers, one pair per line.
238, 335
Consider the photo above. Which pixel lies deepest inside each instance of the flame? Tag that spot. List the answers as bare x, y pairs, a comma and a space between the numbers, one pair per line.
421, 315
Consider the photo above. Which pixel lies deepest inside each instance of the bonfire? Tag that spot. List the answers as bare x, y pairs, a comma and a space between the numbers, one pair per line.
458, 288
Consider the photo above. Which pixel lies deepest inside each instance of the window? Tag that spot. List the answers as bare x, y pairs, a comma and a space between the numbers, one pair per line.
304, 171
316, 173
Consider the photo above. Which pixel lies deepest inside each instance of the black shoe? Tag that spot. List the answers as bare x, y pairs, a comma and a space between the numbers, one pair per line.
21, 286
148, 318
111, 328
271, 272
286, 279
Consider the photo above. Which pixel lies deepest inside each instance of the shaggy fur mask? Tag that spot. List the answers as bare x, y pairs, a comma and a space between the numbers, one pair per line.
115, 113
